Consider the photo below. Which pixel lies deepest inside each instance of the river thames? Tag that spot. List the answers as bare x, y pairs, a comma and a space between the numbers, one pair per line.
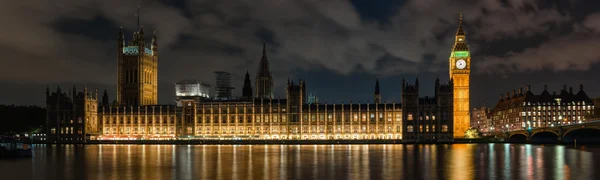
458, 161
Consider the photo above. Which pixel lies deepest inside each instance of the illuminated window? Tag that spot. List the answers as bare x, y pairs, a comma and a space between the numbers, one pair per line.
444, 128
410, 116
409, 128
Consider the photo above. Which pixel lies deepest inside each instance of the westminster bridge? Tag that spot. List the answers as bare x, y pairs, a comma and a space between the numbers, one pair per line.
588, 132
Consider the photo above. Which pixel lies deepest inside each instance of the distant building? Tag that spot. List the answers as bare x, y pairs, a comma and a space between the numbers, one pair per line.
522, 110
72, 116
223, 85
191, 89
480, 119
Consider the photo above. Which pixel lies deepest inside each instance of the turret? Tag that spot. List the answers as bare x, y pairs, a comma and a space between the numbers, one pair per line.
247, 90
377, 95
74, 91
105, 99
85, 92
120, 41
403, 84
417, 84
141, 41
437, 85
154, 44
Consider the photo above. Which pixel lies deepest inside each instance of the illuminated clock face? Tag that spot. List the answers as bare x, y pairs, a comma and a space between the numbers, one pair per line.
461, 64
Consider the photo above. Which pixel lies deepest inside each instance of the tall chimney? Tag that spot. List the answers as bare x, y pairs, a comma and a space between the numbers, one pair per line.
554, 93
580, 87
528, 88
520, 91
501, 97
507, 96
545, 87
514, 92
564, 87
571, 90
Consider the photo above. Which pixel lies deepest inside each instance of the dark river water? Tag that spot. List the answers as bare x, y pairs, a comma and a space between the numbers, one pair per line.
458, 161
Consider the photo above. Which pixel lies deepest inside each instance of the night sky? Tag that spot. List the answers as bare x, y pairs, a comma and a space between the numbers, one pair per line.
338, 47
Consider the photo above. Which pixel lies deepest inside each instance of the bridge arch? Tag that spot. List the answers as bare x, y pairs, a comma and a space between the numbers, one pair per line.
582, 134
517, 138
545, 131
544, 137
579, 128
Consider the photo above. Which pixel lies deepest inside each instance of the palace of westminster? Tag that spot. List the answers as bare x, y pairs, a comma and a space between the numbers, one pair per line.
135, 115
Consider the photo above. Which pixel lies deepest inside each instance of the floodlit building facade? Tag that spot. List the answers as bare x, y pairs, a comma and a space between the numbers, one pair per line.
521, 110
136, 115
480, 119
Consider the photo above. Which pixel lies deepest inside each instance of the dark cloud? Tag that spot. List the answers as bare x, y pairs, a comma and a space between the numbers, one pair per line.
575, 51
49, 42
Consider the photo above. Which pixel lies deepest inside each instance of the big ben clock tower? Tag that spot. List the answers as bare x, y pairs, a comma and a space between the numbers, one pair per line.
460, 70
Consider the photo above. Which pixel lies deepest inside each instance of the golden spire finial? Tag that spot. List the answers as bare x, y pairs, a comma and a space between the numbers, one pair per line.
461, 17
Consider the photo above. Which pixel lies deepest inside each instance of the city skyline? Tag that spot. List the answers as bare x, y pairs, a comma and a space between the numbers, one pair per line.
332, 83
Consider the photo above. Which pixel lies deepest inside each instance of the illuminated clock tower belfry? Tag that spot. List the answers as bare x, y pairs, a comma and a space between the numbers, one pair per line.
460, 70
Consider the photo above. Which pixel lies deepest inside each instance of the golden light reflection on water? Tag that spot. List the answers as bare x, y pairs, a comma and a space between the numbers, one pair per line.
458, 161
462, 161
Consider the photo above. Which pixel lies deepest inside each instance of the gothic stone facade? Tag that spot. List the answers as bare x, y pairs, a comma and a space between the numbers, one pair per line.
71, 116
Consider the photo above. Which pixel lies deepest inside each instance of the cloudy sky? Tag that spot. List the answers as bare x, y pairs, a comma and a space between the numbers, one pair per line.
338, 47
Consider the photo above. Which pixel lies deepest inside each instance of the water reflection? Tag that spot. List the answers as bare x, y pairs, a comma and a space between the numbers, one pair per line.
459, 161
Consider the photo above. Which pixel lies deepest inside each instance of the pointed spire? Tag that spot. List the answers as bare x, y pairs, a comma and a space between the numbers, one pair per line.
74, 90
247, 90
264, 80
138, 18
121, 38
47, 91
460, 31
377, 98
264, 55
377, 86
105, 99
417, 84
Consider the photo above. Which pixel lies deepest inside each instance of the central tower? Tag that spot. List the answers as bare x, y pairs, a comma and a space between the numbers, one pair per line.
137, 70
460, 70
264, 80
